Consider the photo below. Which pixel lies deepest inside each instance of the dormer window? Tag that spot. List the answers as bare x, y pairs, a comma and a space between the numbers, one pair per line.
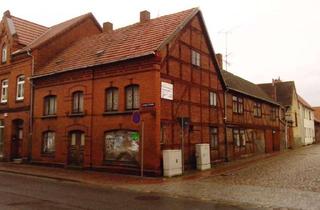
4, 54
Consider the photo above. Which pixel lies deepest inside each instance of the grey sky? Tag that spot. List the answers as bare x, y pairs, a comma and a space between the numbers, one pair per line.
268, 39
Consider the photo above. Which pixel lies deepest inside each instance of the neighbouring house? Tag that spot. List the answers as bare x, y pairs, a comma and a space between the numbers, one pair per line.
285, 93
252, 118
317, 124
26, 46
86, 96
307, 120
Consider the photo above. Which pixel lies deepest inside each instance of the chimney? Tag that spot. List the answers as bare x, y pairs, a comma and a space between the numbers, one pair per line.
107, 27
144, 16
7, 14
219, 60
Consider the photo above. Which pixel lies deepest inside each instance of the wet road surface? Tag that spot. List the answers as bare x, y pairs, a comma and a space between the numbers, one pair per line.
19, 192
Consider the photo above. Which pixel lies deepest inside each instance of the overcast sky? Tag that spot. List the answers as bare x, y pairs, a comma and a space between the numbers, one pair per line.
266, 38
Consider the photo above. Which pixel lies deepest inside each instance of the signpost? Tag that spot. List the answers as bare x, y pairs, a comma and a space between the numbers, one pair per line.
136, 118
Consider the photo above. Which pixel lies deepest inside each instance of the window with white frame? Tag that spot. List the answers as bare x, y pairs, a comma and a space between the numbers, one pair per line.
195, 58
212, 98
20, 88
4, 54
4, 91
48, 144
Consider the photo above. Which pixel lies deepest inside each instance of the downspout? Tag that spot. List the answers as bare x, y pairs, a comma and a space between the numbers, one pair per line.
91, 126
31, 107
225, 126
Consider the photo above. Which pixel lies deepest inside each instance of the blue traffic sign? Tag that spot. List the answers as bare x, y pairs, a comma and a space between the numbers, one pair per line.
136, 117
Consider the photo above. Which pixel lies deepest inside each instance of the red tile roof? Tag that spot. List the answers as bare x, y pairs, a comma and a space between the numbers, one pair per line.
27, 31
304, 102
284, 91
56, 30
136, 40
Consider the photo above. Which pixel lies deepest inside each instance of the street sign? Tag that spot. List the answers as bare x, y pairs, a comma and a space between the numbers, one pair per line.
136, 117
148, 105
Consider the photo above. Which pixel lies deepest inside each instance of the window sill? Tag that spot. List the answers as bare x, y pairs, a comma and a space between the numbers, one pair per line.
49, 116
49, 155
118, 113
80, 114
19, 100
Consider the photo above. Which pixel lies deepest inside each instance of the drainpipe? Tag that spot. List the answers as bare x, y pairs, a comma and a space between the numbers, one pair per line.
31, 107
225, 126
91, 126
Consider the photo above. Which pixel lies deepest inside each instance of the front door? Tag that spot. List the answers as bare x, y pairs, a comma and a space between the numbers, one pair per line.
76, 148
17, 138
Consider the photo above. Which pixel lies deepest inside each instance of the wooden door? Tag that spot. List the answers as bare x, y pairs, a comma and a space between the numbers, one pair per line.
17, 138
76, 148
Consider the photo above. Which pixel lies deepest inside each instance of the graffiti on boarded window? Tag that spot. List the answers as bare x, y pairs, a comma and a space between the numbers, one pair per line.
122, 145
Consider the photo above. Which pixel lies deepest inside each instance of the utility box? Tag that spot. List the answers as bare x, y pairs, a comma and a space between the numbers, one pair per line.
203, 156
172, 164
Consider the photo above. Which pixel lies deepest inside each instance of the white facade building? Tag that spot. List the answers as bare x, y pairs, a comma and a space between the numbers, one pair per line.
307, 120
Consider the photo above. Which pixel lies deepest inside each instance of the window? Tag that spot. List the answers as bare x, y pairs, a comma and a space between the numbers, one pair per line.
195, 58
112, 99
212, 98
274, 113
4, 91
48, 144
237, 105
4, 54
236, 137
132, 97
122, 145
20, 88
77, 102
50, 105
242, 137
257, 111
214, 143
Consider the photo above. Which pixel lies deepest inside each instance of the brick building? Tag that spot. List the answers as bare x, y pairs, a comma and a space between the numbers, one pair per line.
252, 118
25, 47
85, 96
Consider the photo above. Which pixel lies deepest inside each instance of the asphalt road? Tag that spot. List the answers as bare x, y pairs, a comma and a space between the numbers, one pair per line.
33, 193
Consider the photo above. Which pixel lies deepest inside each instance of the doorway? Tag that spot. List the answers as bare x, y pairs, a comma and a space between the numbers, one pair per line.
17, 138
76, 148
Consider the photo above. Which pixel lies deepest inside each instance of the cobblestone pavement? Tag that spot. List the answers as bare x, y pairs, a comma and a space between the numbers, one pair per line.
289, 180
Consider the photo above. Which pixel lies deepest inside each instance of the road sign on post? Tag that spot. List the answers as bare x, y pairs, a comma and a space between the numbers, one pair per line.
136, 117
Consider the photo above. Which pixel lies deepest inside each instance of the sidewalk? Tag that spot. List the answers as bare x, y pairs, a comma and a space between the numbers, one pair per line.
114, 180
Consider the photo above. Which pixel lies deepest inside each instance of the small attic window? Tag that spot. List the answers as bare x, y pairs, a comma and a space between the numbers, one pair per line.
4, 54
100, 52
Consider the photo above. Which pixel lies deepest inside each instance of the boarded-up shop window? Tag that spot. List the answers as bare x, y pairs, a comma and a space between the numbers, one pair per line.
122, 145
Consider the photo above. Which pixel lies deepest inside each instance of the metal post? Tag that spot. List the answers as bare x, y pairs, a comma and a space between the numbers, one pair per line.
142, 142
182, 143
